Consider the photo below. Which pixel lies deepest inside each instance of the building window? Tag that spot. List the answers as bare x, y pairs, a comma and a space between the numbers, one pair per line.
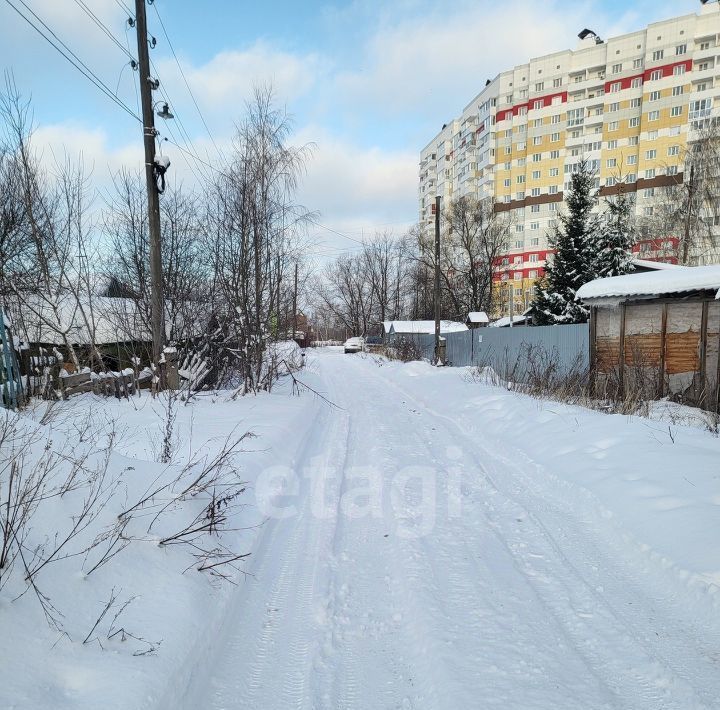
676, 111
612, 145
656, 75
679, 70
557, 82
539, 86
650, 174
635, 103
649, 192
614, 107
654, 116
651, 154
534, 226
555, 118
537, 140
537, 157
520, 179
535, 241
674, 150
552, 190
658, 54
554, 154
554, 172
617, 68
636, 82
654, 96
506, 182
534, 208
615, 87
632, 159
613, 126
678, 90
611, 163
535, 192
671, 170
536, 175
637, 63
555, 137
680, 49
633, 140
519, 228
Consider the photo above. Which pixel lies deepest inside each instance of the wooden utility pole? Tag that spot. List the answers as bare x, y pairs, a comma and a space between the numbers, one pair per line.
436, 294
688, 216
148, 117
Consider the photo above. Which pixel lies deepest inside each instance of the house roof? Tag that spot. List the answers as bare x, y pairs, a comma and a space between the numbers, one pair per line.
504, 322
654, 283
648, 265
419, 327
478, 317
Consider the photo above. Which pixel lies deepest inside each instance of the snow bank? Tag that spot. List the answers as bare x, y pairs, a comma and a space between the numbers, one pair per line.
174, 611
657, 483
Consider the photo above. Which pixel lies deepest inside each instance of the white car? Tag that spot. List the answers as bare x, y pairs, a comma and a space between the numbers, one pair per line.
354, 345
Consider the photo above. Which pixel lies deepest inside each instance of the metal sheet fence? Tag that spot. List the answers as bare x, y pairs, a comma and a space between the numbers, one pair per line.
506, 349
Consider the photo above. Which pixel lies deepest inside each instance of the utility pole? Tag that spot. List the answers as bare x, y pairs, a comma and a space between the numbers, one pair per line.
688, 216
437, 280
146, 89
510, 303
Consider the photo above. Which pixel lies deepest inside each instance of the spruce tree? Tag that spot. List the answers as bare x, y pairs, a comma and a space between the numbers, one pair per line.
613, 248
573, 239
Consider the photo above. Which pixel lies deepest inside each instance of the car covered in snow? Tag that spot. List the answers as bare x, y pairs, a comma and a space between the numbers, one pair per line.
354, 345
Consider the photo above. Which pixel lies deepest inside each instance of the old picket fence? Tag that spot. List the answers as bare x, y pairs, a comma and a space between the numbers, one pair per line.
507, 350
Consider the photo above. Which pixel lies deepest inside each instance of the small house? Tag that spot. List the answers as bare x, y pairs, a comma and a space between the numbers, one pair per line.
398, 328
477, 319
657, 334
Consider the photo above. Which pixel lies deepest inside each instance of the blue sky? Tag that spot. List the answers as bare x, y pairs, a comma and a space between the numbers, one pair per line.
369, 83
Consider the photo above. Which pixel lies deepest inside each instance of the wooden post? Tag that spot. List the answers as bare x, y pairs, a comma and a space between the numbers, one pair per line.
663, 349
621, 360
703, 354
592, 355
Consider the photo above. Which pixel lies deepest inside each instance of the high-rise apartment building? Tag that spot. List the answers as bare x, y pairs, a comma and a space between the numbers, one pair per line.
628, 105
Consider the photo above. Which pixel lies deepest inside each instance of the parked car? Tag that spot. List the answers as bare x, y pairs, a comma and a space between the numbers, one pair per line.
374, 340
354, 345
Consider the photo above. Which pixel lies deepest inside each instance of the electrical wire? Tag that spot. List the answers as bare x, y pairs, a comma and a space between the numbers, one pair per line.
71, 57
104, 28
187, 84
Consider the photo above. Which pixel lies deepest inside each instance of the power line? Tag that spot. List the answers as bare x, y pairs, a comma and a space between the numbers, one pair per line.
104, 28
187, 84
73, 59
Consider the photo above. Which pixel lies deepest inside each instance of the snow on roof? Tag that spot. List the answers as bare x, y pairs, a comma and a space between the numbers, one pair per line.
504, 322
419, 327
654, 283
654, 265
478, 317
387, 325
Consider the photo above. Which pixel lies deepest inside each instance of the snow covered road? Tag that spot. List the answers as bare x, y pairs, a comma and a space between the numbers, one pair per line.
410, 562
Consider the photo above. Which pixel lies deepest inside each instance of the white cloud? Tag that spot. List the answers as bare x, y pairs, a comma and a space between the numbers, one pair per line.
223, 83
358, 189
58, 142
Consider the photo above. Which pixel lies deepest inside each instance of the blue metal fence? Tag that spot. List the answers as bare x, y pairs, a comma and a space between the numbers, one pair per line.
505, 348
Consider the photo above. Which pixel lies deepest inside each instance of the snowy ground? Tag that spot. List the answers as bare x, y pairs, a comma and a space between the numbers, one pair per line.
428, 542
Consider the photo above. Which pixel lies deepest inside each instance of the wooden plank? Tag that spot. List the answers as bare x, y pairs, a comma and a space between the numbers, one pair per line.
663, 349
621, 359
703, 354
593, 346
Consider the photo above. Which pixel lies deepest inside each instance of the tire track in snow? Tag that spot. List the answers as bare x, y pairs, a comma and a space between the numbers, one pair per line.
654, 678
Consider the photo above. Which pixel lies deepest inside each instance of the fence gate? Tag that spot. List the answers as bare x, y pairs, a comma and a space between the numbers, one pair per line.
11, 392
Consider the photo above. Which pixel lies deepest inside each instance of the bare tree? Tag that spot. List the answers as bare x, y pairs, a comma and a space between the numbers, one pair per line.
687, 208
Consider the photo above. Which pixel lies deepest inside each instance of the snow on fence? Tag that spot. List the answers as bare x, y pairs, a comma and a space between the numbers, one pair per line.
504, 348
